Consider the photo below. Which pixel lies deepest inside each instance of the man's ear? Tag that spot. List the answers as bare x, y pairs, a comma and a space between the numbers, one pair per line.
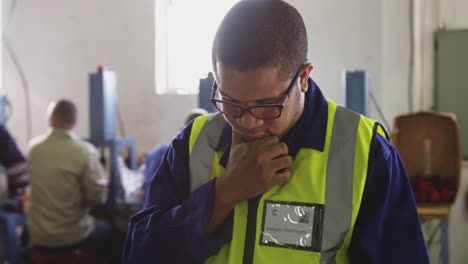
51, 122
304, 76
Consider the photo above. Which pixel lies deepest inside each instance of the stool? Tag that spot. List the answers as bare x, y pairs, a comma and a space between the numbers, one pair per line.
77, 255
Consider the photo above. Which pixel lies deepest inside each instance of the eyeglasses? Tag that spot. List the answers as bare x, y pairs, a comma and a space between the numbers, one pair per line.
261, 111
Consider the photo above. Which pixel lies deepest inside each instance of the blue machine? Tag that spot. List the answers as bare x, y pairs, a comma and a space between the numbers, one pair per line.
102, 116
204, 95
356, 86
3, 105
103, 103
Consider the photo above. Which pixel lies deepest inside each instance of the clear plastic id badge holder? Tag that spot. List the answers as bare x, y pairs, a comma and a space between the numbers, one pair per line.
292, 225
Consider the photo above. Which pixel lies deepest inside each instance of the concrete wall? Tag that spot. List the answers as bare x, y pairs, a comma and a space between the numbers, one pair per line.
343, 35
59, 42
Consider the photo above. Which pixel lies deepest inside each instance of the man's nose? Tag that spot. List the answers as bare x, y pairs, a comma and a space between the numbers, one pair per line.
248, 121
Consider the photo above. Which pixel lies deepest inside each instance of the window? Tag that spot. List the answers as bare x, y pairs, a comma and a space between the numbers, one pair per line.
185, 31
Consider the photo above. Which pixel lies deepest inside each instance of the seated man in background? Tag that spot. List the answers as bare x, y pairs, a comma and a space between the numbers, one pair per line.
155, 156
13, 162
67, 180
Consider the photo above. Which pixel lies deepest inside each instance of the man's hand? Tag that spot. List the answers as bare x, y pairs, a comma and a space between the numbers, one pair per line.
253, 168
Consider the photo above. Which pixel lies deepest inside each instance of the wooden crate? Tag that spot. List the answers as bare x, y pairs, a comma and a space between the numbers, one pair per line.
429, 146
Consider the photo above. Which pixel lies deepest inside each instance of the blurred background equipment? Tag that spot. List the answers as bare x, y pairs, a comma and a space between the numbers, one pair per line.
429, 146
358, 94
204, 95
103, 104
14, 180
356, 87
13, 246
102, 116
451, 64
3, 104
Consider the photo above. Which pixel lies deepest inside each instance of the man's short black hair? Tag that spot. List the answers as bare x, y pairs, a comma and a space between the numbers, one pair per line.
261, 33
64, 113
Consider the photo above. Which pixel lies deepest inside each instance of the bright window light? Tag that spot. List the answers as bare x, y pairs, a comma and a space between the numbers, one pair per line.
185, 31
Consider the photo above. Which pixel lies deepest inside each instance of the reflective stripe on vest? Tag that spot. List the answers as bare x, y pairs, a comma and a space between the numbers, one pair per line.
339, 191
204, 147
334, 177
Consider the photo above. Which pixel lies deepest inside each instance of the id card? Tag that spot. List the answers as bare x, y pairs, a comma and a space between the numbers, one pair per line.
292, 225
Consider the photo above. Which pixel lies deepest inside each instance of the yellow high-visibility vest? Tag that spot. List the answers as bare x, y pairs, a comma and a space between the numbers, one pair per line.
329, 181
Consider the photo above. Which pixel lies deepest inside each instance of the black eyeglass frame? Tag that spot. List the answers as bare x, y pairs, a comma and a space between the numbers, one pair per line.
243, 109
